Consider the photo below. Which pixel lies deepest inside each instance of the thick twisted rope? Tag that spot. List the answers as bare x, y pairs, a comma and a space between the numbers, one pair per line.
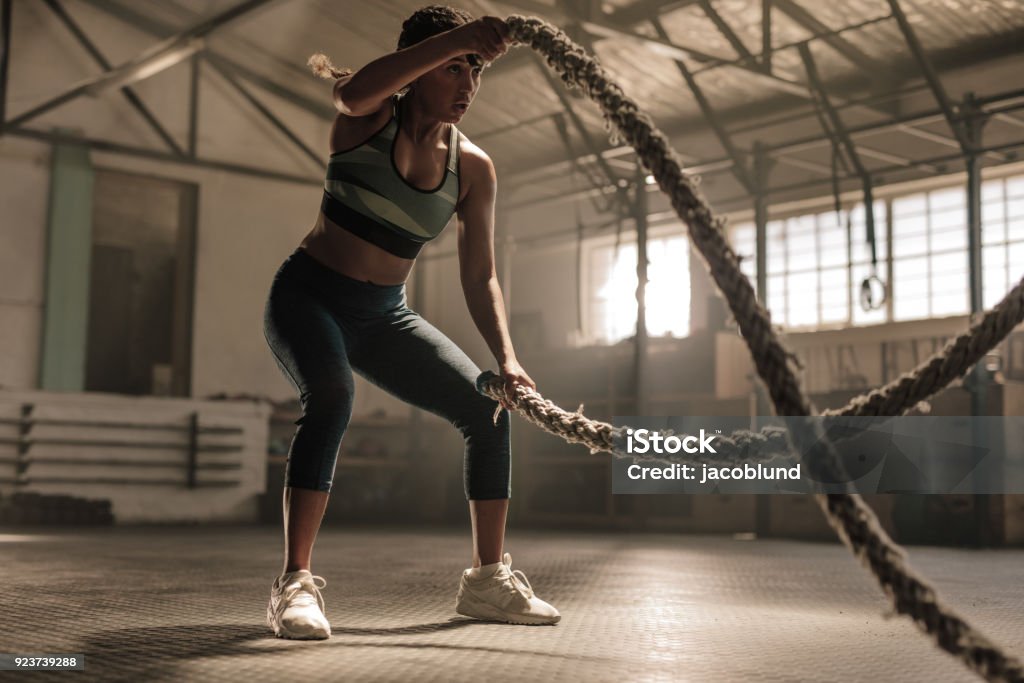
897, 397
854, 522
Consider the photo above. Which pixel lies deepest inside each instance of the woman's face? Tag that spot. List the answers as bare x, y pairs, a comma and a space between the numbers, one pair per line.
446, 92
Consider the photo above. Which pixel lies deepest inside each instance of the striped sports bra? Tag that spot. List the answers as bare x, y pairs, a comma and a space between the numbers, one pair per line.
365, 194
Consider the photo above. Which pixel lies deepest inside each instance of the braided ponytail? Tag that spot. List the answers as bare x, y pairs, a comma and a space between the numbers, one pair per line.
322, 67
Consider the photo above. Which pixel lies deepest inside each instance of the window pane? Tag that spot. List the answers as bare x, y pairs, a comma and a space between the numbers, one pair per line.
802, 255
1015, 259
834, 297
910, 290
906, 206
832, 242
993, 232
952, 198
909, 236
802, 299
946, 238
1015, 207
1015, 229
668, 289
994, 273
615, 305
992, 210
777, 299
992, 191
1015, 186
774, 235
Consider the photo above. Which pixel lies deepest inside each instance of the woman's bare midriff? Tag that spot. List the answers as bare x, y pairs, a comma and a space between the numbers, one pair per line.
353, 256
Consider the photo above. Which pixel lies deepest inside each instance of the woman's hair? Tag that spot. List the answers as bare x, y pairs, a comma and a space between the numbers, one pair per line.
424, 23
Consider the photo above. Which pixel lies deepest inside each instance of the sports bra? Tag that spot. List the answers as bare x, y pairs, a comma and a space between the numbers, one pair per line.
365, 194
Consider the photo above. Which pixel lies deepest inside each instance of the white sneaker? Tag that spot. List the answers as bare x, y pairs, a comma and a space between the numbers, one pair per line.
296, 608
502, 595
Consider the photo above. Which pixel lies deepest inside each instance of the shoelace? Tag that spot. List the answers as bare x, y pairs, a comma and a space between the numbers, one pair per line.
522, 584
302, 593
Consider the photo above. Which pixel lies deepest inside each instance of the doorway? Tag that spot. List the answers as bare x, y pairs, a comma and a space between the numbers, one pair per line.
141, 286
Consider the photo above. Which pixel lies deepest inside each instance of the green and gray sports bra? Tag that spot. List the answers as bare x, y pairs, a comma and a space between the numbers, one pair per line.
365, 194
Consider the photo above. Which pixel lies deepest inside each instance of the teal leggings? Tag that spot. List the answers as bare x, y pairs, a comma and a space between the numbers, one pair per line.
322, 325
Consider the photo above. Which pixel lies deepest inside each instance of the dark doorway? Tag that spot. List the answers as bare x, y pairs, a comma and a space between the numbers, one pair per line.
140, 296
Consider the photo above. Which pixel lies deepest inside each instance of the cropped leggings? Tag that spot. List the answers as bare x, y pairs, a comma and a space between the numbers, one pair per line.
321, 325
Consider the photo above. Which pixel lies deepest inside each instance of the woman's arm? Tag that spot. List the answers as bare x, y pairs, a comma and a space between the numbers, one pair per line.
363, 92
476, 264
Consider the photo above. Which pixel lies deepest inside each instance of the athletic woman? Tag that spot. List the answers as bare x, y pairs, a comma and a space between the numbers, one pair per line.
399, 170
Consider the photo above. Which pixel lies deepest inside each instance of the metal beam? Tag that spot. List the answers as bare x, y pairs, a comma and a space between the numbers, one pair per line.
809, 22
156, 155
645, 10
734, 40
743, 200
676, 51
159, 29
930, 75
838, 128
903, 124
193, 106
641, 359
5, 55
269, 115
161, 56
129, 94
739, 168
762, 166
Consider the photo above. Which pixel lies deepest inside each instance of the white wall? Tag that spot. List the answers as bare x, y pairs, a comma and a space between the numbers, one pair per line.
24, 168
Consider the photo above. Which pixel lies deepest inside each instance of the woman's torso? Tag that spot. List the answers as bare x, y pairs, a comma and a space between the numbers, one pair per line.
423, 166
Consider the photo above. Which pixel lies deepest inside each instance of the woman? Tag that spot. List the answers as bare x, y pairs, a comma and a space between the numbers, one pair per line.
399, 169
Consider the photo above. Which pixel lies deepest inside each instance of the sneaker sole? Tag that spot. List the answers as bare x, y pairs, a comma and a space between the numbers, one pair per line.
489, 613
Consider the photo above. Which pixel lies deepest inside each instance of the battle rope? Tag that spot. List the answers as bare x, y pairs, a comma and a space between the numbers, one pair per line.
854, 522
895, 398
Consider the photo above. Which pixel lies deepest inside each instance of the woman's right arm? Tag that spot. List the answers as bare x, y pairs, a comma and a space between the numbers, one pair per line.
365, 91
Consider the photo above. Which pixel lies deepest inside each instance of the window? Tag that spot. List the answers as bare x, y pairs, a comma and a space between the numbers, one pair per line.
1002, 237
929, 268
816, 263
610, 307
815, 269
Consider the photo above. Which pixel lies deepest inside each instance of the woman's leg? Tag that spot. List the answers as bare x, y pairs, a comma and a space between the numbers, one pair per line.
303, 512
310, 348
411, 359
488, 518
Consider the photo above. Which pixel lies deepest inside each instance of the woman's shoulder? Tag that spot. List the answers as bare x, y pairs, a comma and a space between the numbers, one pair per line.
473, 160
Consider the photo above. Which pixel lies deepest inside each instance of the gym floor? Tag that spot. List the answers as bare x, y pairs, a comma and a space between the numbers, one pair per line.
187, 603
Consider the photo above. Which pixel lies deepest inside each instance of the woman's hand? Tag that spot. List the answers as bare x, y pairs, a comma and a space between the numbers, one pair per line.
488, 37
512, 372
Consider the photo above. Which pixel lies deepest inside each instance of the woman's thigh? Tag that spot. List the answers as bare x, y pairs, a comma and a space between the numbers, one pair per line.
308, 342
411, 359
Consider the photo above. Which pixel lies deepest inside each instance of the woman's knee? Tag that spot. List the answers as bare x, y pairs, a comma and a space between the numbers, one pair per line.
482, 418
326, 411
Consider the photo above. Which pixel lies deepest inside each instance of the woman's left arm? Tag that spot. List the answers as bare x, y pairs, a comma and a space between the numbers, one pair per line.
476, 264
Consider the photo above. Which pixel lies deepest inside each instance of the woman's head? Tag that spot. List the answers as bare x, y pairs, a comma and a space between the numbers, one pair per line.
430, 21
445, 91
